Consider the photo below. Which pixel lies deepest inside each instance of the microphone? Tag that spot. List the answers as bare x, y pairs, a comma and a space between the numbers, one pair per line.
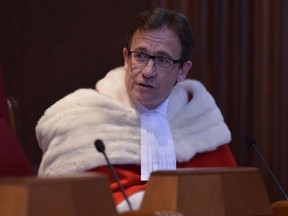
250, 141
101, 148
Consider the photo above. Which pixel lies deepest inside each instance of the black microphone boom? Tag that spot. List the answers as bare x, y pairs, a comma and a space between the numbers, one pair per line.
101, 148
251, 142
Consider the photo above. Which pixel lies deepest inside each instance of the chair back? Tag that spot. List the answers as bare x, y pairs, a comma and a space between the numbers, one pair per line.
3, 101
13, 160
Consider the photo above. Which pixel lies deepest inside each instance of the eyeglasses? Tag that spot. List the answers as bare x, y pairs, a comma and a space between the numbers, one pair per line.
161, 63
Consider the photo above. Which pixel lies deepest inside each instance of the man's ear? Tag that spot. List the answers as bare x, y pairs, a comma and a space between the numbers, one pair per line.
183, 71
126, 58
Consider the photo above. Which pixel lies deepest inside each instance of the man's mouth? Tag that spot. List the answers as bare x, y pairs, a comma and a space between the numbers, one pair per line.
144, 85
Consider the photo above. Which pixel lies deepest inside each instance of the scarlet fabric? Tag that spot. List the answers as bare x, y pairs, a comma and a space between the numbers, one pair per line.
129, 175
13, 161
222, 157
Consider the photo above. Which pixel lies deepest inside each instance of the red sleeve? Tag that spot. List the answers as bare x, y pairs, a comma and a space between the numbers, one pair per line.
222, 157
129, 177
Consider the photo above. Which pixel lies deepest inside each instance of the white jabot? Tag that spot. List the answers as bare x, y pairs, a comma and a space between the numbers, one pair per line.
157, 147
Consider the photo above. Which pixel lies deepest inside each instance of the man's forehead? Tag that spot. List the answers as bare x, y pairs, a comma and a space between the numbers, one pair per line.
161, 41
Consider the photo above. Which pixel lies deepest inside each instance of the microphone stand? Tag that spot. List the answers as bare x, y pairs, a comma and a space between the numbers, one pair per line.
280, 208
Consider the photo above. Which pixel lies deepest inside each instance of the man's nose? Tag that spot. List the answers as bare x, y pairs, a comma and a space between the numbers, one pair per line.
149, 70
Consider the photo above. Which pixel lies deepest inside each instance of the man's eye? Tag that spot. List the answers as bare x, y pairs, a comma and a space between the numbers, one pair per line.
140, 56
163, 60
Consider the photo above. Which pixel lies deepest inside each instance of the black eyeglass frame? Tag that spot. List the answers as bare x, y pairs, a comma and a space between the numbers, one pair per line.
153, 57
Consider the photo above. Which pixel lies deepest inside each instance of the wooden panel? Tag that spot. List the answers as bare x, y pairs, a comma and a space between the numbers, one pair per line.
216, 191
241, 56
86, 194
280, 208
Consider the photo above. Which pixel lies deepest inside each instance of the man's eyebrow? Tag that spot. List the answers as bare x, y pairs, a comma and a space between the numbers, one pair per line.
159, 53
164, 54
140, 49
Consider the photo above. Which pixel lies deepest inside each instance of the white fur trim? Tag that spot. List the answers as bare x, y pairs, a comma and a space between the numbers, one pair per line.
197, 126
67, 132
68, 129
135, 202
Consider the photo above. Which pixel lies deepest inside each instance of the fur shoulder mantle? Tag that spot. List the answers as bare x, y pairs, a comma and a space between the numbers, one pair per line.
68, 129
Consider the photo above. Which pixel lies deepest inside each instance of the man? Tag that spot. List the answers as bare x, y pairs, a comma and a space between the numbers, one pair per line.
149, 116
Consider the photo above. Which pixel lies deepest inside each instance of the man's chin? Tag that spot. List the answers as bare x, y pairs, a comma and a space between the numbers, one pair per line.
148, 104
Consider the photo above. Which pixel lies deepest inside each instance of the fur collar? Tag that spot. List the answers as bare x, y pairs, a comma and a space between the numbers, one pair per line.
67, 130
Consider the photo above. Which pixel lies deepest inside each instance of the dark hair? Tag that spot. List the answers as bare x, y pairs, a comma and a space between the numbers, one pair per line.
160, 17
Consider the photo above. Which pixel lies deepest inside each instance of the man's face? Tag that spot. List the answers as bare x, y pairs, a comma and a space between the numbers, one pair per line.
148, 85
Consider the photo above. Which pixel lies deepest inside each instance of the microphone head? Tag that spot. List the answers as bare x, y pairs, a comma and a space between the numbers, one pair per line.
249, 140
99, 145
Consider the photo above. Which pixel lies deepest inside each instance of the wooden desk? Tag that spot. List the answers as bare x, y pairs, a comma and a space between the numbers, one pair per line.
214, 191
280, 208
85, 195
